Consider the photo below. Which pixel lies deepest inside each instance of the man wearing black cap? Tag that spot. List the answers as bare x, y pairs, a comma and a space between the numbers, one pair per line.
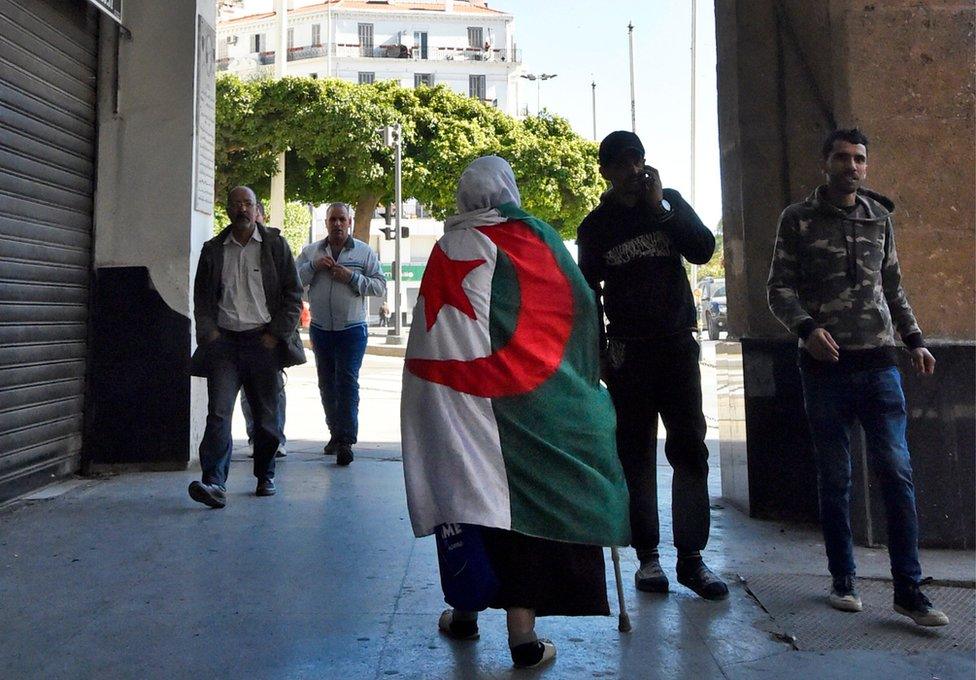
630, 250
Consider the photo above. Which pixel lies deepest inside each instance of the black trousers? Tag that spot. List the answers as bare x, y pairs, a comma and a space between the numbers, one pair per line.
239, 360
648, 378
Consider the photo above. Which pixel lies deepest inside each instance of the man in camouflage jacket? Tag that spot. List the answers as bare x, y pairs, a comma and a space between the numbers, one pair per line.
836, 283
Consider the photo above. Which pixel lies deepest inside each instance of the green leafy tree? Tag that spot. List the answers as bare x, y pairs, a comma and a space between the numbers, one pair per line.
295, 228
715, 267
328, 129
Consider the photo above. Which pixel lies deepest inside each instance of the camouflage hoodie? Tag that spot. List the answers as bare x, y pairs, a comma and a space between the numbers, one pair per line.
839, 271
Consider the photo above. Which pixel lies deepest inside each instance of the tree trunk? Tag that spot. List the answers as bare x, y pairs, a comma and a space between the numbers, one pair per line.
365, 207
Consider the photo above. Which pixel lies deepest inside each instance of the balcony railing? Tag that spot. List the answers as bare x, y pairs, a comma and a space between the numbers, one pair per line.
307, 52
346, 50
352, 50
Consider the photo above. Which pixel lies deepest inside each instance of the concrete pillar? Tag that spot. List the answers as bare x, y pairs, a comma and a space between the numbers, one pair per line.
789, 71
153, 211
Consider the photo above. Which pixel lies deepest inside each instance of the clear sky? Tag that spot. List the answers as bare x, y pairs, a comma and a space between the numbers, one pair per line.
582, 41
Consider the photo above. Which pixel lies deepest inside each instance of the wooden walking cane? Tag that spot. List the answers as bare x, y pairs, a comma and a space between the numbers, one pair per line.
623, 621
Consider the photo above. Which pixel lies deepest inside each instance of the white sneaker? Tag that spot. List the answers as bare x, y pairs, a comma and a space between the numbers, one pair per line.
533, 654
843, 595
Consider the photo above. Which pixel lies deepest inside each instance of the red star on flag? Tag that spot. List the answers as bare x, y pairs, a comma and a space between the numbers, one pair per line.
442, 285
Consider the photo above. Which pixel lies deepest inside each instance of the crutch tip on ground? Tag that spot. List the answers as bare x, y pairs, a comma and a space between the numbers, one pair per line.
623, 620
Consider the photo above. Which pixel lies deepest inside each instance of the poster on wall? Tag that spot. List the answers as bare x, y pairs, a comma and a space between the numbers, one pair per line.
206, 119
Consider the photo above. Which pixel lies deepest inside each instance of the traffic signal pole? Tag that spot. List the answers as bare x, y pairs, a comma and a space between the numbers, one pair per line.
398, 266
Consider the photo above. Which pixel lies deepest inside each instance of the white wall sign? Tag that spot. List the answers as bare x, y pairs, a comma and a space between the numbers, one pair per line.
206, 118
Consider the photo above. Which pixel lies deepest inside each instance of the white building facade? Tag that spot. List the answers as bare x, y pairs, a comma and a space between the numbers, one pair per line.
462, 44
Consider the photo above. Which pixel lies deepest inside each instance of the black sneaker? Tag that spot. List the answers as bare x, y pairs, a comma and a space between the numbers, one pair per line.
266, 487
693, 574
650, 578
343, 454
843, 595
533, 654
910, 601
212, 495
457, 630
330, 448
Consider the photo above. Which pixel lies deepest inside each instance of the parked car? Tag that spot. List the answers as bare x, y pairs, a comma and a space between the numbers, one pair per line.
712, 309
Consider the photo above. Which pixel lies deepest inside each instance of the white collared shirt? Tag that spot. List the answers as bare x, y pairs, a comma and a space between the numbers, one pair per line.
243, 305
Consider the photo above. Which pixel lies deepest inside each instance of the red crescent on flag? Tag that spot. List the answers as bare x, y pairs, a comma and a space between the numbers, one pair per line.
542, 328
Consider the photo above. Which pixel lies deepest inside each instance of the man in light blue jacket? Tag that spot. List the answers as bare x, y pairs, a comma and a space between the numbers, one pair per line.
339, 273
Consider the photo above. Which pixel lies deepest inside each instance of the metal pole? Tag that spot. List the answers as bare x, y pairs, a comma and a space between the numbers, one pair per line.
311, 223
398, 268
328, 41
280, 67
694, 87
538, 96
593, 86
633, 102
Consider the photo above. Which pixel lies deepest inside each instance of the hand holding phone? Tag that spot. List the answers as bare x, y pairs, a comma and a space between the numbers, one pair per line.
653, 192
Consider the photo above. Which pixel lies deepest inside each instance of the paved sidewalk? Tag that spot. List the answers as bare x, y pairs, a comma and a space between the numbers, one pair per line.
125, 577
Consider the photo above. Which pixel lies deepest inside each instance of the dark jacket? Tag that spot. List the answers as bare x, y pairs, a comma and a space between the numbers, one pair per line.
282, 290
636, 256
840, 271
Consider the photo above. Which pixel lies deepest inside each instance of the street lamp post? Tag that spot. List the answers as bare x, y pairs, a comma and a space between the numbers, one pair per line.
694, 85
633, 101
538, 81
280, 68
593, 85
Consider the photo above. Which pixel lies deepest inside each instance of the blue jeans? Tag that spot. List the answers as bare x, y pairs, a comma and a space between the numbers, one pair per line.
279, 417
240, 360
338, 358
874, 398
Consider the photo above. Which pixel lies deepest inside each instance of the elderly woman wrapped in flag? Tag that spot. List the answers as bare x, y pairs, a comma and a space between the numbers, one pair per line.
508, 436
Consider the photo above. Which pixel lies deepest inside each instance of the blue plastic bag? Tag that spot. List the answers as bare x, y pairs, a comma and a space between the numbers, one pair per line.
467, 579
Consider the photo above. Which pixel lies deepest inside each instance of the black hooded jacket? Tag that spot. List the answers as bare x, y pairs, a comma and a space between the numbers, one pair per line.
632, 260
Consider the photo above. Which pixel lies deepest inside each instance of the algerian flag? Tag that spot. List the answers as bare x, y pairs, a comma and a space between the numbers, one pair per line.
504, 421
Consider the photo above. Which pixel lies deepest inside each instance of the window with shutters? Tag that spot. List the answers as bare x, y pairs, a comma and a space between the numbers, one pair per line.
476, 87
257, 42
476, 37
366, 77
423, 79
420, 44
316, 34
291, 38
366, 40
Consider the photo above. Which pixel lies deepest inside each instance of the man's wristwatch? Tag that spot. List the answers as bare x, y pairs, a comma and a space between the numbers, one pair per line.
662, 208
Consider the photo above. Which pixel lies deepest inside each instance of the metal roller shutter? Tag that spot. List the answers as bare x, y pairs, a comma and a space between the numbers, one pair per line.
47, 151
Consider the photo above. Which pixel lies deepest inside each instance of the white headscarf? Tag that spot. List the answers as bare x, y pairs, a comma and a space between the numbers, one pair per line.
485, 184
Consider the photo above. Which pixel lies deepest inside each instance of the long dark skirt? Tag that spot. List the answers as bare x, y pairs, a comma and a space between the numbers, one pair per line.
551, 577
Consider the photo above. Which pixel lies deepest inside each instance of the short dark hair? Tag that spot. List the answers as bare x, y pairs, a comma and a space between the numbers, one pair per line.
850, 135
